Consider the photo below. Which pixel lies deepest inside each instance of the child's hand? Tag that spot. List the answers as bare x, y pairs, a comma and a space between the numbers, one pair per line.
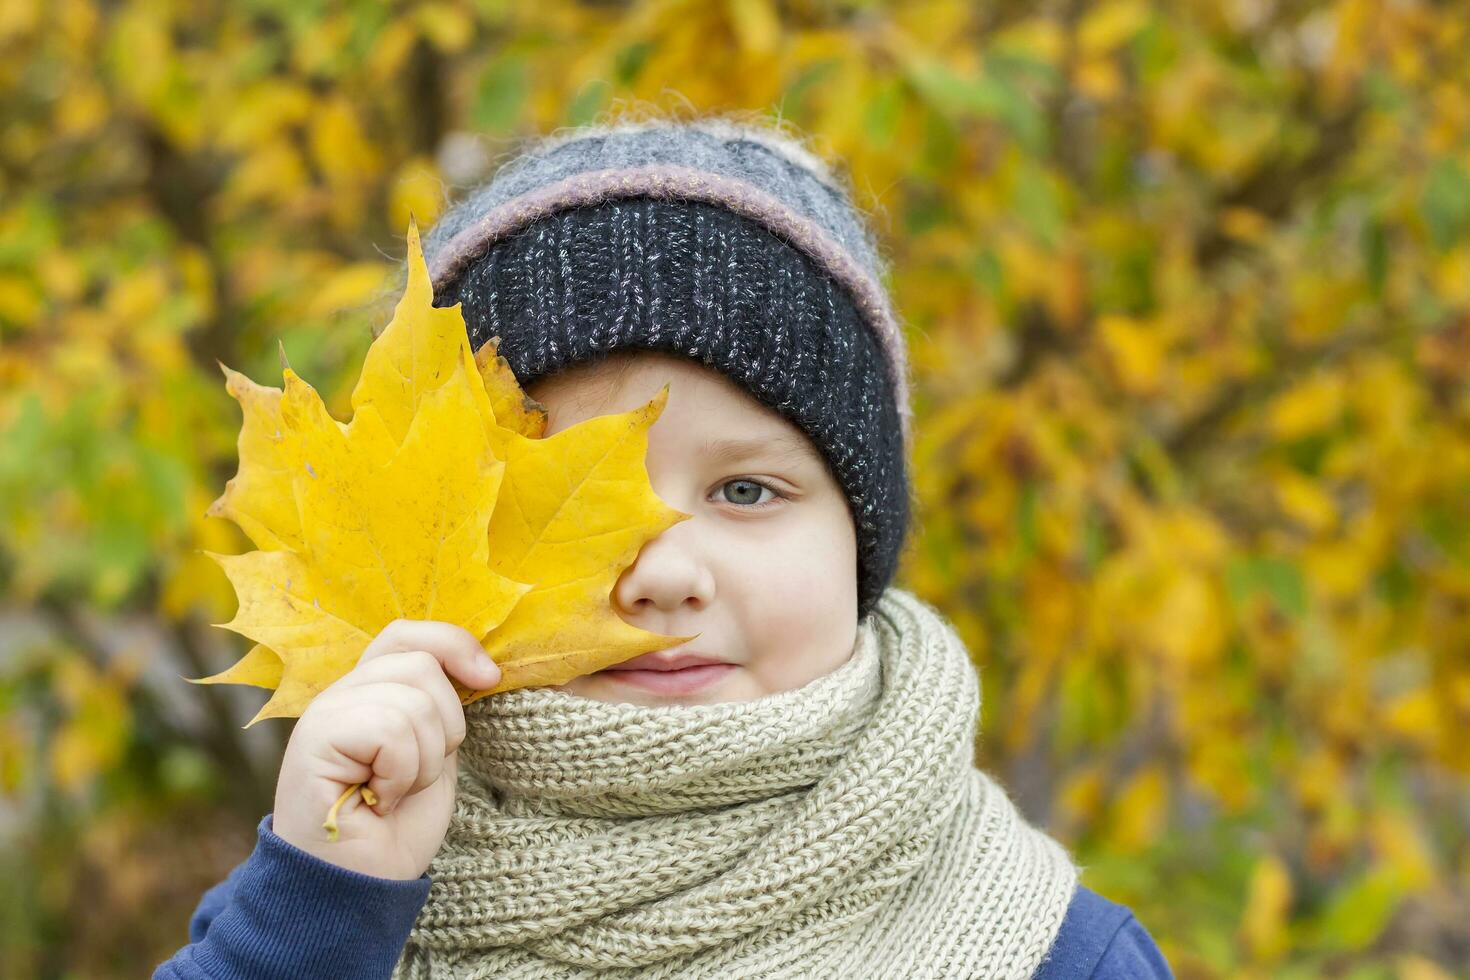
395, 723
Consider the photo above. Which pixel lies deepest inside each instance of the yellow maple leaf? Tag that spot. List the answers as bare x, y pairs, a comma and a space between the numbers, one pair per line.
565, 543
438, 500
512, 407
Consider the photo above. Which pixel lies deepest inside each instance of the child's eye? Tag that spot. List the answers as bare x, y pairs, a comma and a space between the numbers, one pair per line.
747, 493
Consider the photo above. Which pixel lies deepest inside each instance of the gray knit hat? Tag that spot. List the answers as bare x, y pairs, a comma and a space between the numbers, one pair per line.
721, 241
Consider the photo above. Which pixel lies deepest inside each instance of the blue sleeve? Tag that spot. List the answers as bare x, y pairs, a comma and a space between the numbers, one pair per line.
213, 902
284, 913
1132, 955
1102, 940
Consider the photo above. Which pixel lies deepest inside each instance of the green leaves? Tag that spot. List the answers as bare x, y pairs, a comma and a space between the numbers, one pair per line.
1446, 203
988, 94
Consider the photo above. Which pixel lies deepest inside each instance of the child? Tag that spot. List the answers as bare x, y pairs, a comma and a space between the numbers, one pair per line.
791, 794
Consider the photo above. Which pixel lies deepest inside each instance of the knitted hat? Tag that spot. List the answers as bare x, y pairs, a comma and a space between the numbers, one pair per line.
719, 241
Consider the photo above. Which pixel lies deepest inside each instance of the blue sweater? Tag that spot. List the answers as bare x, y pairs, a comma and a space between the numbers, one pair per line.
285, 913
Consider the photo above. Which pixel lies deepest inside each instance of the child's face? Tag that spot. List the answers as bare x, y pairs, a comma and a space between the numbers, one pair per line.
769, 579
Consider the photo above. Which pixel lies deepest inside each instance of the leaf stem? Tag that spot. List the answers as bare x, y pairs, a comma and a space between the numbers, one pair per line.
368, 797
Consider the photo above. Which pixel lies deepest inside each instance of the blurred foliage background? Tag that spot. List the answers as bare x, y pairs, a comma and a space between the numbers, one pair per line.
1188, 293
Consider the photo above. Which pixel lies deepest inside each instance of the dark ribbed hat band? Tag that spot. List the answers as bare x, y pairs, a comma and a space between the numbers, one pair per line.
697, 280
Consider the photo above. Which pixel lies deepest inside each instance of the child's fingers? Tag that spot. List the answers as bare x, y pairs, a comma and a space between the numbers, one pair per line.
384, 740
374, 714
414, 668
457, 650
428, 728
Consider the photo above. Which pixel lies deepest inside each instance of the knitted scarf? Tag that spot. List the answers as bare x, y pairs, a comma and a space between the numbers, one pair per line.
836, 830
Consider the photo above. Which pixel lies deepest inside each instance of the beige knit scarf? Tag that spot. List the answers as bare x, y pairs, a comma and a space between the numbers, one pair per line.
836, 830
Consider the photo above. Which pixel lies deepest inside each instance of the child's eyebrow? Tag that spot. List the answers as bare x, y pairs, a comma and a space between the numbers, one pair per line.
776, 447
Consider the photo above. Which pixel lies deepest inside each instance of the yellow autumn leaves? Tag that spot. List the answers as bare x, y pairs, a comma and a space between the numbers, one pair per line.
440, 499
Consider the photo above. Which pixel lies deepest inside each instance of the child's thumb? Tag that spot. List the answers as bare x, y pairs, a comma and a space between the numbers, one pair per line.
489, 671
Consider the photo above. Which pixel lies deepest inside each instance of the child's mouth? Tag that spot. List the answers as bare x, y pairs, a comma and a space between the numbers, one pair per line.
687, 680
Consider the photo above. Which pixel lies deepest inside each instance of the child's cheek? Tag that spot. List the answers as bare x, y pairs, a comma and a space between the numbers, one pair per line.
799, 603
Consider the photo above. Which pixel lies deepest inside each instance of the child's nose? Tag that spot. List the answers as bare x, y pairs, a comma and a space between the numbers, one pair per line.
668, 574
